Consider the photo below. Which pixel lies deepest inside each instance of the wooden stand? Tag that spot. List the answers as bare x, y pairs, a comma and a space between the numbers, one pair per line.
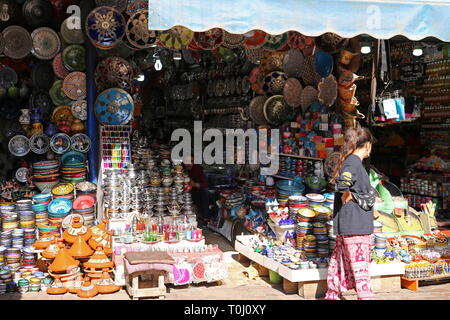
145, 284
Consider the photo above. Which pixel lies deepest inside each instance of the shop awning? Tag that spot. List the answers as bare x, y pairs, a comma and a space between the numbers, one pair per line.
382, 19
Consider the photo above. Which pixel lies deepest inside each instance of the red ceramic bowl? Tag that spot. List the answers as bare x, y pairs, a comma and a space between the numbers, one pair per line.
83, 202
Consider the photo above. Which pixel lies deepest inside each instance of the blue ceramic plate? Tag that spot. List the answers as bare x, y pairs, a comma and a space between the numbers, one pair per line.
324, 63
41, 197
114, 107
60, 206
105, 27
73, 158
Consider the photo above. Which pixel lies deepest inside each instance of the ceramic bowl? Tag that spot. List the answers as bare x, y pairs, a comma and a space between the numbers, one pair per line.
60, 206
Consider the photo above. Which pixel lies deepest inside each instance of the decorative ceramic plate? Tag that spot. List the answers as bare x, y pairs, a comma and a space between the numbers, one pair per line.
113, 72
276, 42
37, 13
299, 41
257, 80
272, 61
274, 82
246, 85
42, 75
39, 143
292, 92
324, 63
254, 55
79, 109
58, 66
18, 42
233, 40
57, 95
22, 174
255, 39
8, 77
137, 31
60, 143
309, 95
120, 5
210, 39
177, 37
276, 111
81, 142
331, 42
327, 91
60, 205
135, 6
309, 73
41, 99
46, 43
74, 58
74, 85
71, 35
257, 110
292, 63
62, 113
105, 27
19, 146
114, 106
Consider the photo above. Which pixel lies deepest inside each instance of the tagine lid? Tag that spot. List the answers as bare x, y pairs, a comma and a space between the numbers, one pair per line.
100, 228
77, 228
80, 248
52, 250
63, 261
106, 284
87, 289
99, 260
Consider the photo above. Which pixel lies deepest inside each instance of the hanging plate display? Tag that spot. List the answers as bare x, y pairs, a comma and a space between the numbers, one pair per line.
9, 108
62, 113
274, 82
81, 142
137, 31
292, 92
120, 5
58, 66
22, 174
18, 42
177, 37
42, 75
257, 110
272, 61
114, 106
309, 95
60, 143
74, 85
57, 95
324, 63
299, 41
292, 63
37, 13
113, 72
233, 40
105, 27
331, 42
257, 80
276, 42
71, 35
39, 143
254, 55
327, 91
255, 39
79, 109
210, 39
276, 111
8, 77
74, 58
19, 146
246, 85
46, 43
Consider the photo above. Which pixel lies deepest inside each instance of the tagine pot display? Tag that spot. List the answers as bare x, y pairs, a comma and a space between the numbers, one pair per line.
103, 241
98, 261
75, 285
63, 262
57, 287
77, 228
80, 249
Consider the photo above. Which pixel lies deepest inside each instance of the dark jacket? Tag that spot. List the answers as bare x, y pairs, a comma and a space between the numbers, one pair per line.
351, 218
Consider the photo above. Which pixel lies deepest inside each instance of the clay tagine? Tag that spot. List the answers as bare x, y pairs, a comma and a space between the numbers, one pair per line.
103, 241
87, 289
80, 249
63, 261
57, 287
76, 284
52, 250
42, 243
100, 228
106, 284
98, 260
77, 228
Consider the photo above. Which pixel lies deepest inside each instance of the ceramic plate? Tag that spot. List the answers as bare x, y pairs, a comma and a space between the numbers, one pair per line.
327, 89
177, 37
62, 113
276, 111
324, 63
255, 39
136, 5
42, 75
8, 77
57, 95
60, 143
254, 55
233, 40
70, 35
79, 109
19, 146
292, 63
257, 80
138, 33
257, 110
105, 27
113, 72
58, 66
22, 174
292, 92
60, 205
276, 42
81, 142
18, 42
39, 143
299, 41
210, 39
37, 13
272, 61
46, 43
274, 83
309, 73
74, 58
41, 99
114, 106
74, 85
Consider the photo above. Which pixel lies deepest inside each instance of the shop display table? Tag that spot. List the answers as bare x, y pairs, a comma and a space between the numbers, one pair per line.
311, 283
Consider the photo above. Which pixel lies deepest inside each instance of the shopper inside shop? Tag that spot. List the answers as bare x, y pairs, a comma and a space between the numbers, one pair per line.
353, 219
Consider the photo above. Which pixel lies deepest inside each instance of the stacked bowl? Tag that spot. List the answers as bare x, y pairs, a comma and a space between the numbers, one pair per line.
40, 207
320, 231
331, 237
6, 239
9, 216
380, 242
287, 188
86, 188
17, 238
85, 206
58, 209
329, 200
48, 231
315, 199
305, 215
310, 246
13, 256
377, 227
73, 167
323, 213
296, 203
28, 256
46, 174
63, 190
2, 255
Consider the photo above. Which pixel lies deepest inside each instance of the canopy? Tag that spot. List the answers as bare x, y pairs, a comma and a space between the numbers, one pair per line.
382, 19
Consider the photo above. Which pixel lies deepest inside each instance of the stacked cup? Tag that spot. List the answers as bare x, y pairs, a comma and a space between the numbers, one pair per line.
40, 208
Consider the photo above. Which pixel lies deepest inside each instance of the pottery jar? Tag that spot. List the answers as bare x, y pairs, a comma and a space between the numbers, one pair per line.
25, 116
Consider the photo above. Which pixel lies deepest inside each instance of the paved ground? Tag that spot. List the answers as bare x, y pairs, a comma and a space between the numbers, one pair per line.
239, 287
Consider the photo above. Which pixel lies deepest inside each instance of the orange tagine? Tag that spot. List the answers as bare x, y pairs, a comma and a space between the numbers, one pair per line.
63, 261
77, 228
57, 287
80, 248
99, 260
87, 289
106, 284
